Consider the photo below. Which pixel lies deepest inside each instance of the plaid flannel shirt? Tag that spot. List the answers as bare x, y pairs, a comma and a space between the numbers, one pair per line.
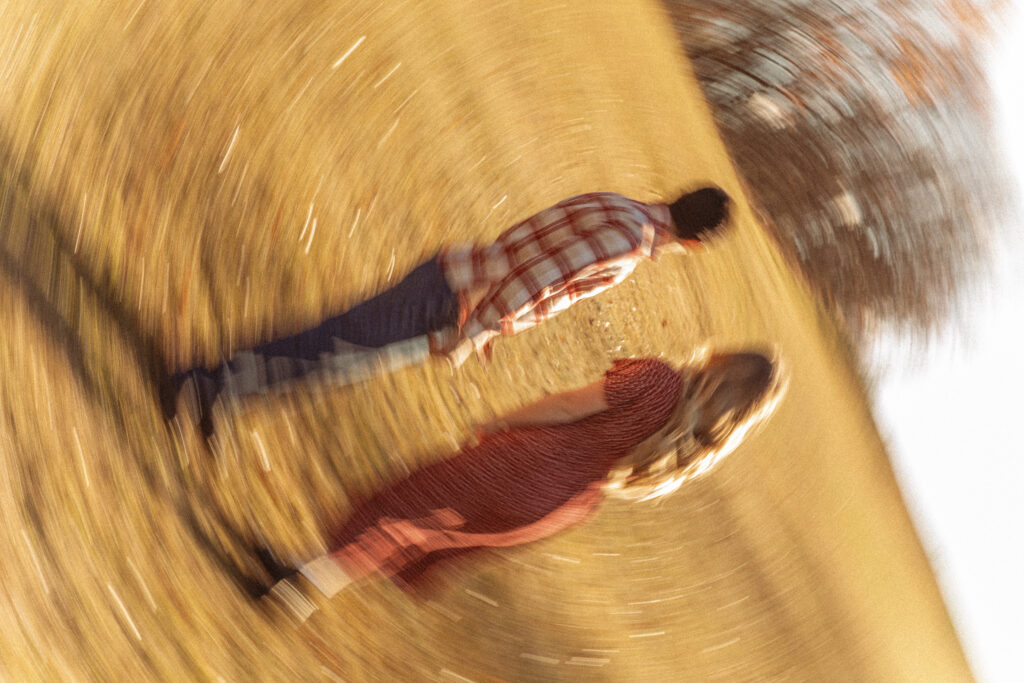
541, 266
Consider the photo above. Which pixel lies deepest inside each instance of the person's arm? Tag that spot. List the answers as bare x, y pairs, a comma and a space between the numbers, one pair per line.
578, 288
619, 256
562, 408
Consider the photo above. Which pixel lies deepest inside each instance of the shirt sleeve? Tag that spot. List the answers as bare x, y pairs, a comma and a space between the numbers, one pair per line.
551, 281
562, 292
631, 379
445, 339
466, 266
545, 308
478, 332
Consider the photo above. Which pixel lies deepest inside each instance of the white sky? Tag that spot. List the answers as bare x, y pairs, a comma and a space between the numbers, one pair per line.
952, 422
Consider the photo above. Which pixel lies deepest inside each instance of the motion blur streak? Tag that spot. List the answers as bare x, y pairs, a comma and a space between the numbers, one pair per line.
167, 169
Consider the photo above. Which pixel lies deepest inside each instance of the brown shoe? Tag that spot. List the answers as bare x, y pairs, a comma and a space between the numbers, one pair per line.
168, 392
200, 391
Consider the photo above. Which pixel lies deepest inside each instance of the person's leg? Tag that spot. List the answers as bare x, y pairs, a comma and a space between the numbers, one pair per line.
200, 389
327, 574
382, 548
295, 590
398, 318
422, 302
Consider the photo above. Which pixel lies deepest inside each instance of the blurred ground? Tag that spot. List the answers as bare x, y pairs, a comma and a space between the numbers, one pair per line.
179, 181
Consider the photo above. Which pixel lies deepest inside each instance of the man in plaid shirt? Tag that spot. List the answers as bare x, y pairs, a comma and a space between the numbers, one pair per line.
571, 251
456, 302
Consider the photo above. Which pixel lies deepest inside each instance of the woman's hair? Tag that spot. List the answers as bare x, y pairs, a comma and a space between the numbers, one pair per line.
721, 399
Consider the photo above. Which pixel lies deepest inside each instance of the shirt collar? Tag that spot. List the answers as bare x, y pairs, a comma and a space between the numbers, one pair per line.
662, 224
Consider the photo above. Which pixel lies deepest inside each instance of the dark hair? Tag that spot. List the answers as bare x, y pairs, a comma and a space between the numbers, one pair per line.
699, 213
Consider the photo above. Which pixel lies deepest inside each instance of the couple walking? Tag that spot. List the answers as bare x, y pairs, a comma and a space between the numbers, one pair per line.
637, 432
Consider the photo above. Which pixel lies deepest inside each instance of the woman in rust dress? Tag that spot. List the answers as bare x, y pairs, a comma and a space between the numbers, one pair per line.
638, 432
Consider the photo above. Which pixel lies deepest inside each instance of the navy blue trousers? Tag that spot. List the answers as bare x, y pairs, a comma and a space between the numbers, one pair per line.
422, 302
